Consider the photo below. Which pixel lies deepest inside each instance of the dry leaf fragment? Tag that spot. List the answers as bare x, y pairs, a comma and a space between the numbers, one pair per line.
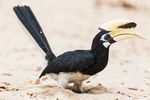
133, 89
6, 74
3, 87
128, 5
29, 81
37, 81
30, 94
6, 83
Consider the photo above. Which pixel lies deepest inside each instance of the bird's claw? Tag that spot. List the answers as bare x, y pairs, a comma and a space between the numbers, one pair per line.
99, 89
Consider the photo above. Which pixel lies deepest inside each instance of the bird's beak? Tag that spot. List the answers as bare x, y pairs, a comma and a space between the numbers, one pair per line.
123, 34
121, 29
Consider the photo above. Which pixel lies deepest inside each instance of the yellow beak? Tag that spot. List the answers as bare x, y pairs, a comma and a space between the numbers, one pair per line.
121, 29
123, 34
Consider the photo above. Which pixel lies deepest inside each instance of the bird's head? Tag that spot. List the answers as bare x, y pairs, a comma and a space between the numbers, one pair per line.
115, 31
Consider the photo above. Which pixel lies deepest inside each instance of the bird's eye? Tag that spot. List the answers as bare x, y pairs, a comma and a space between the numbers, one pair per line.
105, 37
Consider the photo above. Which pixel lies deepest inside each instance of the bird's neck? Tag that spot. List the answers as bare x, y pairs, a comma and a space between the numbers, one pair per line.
100, 60
101, 56
100, 53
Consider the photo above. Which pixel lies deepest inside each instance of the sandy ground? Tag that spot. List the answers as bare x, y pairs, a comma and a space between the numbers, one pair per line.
70, 25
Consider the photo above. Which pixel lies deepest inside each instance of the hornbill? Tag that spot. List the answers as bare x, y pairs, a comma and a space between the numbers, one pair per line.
76, 66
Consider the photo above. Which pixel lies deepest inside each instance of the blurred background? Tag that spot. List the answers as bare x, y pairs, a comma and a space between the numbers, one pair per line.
71, 25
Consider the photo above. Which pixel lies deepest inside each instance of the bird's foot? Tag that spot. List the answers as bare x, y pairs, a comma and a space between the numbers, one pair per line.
98, 89
93, 89
75, 87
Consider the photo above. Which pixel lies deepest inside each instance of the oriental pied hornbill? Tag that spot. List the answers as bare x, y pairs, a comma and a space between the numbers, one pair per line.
76, 66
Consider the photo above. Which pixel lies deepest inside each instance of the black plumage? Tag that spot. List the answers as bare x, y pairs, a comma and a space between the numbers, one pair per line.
73, 61
76, 66
28, 19
85, 61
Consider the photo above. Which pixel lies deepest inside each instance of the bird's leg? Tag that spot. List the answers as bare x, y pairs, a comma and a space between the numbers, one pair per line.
75, 87
63, 81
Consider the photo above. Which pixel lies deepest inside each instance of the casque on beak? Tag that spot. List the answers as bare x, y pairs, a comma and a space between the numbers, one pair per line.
121, 29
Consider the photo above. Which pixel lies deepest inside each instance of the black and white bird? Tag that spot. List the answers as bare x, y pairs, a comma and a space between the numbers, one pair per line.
77, 66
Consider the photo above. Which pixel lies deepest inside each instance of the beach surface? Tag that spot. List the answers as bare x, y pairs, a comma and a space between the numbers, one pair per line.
70, 25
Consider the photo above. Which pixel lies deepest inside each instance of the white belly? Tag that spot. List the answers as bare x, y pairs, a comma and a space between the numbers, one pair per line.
64, 78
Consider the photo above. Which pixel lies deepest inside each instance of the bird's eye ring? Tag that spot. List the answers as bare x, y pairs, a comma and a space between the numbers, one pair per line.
105, 37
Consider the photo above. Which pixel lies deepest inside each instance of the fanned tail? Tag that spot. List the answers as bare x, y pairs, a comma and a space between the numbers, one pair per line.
28, 19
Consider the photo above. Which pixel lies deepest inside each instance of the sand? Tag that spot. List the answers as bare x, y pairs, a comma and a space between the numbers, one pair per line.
71, 25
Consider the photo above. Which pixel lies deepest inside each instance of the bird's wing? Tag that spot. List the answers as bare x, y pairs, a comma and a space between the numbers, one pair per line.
73, 61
